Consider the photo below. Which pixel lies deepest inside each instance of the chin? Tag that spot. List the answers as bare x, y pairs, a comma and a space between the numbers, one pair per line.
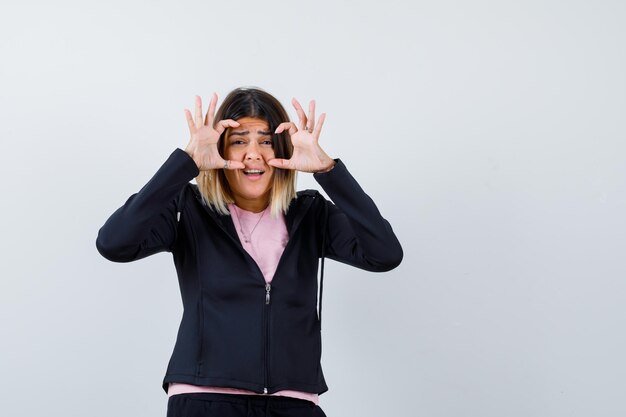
256, 195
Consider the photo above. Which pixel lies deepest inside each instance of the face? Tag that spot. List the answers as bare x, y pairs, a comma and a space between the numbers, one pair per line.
250, 143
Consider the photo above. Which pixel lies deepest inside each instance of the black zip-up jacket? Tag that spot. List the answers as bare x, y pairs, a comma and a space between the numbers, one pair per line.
236, 331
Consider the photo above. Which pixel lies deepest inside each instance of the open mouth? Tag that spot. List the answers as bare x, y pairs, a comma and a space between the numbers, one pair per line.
253, 172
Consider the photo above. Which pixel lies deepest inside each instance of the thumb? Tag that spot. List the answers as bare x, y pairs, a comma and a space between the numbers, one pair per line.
229, 164
280, 163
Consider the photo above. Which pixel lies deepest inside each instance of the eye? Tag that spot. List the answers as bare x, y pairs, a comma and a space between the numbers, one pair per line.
237, 142
268, 142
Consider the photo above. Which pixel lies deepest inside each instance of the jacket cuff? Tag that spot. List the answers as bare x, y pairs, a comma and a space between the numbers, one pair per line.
188, 165
338, 171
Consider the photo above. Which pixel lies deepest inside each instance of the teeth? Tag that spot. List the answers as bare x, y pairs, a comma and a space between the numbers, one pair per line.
253, 171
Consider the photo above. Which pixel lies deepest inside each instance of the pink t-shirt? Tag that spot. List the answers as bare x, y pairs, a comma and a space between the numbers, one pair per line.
264, 237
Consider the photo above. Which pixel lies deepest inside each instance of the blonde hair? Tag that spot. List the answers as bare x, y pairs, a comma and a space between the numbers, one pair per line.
251, 102
216, 193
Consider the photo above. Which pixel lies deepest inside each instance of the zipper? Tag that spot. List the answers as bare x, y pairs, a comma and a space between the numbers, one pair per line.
268, 289
291, 231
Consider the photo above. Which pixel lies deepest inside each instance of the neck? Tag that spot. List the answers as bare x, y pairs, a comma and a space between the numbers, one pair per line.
255, 206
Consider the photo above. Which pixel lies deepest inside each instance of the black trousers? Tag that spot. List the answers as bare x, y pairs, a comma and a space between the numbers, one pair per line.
202, 404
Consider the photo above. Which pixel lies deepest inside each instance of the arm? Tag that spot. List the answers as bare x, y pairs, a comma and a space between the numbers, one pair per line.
356, 233
146, 223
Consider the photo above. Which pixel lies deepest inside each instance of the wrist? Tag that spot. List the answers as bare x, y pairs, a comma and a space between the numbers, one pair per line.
332, 165
190, 152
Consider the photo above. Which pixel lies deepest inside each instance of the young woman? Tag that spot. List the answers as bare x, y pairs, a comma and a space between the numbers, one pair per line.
246, 248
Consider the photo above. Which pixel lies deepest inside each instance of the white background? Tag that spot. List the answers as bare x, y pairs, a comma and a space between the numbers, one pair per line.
490, 134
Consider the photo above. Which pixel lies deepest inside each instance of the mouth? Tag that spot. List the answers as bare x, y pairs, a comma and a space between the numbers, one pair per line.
253, 172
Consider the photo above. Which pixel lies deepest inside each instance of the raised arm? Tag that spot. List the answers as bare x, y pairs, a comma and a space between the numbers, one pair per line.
356, 232
146, 223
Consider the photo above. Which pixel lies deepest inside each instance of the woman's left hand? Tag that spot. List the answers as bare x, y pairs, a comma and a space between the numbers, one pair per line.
307, 154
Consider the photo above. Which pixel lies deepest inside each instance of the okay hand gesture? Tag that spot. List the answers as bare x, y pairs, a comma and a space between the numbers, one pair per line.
307, 155
202, 146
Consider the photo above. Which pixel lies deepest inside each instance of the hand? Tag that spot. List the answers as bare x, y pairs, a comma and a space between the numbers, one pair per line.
307, 154
202, 146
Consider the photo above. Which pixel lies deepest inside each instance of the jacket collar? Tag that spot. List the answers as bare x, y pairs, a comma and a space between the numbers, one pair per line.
297, 210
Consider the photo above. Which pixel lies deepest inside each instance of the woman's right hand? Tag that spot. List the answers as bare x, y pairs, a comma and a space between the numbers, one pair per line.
202, 146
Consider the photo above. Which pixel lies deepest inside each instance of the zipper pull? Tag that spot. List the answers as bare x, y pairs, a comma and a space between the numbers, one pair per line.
268, 288
178, 216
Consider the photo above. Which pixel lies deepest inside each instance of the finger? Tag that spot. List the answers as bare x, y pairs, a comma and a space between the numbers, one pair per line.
287, 125
300, 112
311, 121
210, 114
280, 163
222, 125
192, 125
318, 127
229, 164
198, 118
291, 127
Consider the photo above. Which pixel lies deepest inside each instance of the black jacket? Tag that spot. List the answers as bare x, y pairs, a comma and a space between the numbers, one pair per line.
236, 331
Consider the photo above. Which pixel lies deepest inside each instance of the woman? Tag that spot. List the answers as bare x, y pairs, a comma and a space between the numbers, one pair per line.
246, 248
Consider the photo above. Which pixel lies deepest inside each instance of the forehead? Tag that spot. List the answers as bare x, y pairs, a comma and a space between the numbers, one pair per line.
252, 124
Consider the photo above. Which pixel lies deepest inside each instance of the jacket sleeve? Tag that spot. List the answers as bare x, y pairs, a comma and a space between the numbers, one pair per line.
146, 223
356, 233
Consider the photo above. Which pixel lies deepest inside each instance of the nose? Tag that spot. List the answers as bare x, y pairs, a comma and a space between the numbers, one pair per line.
252, 152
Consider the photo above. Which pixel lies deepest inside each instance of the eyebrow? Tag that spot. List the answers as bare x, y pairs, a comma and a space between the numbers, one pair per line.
247, 132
